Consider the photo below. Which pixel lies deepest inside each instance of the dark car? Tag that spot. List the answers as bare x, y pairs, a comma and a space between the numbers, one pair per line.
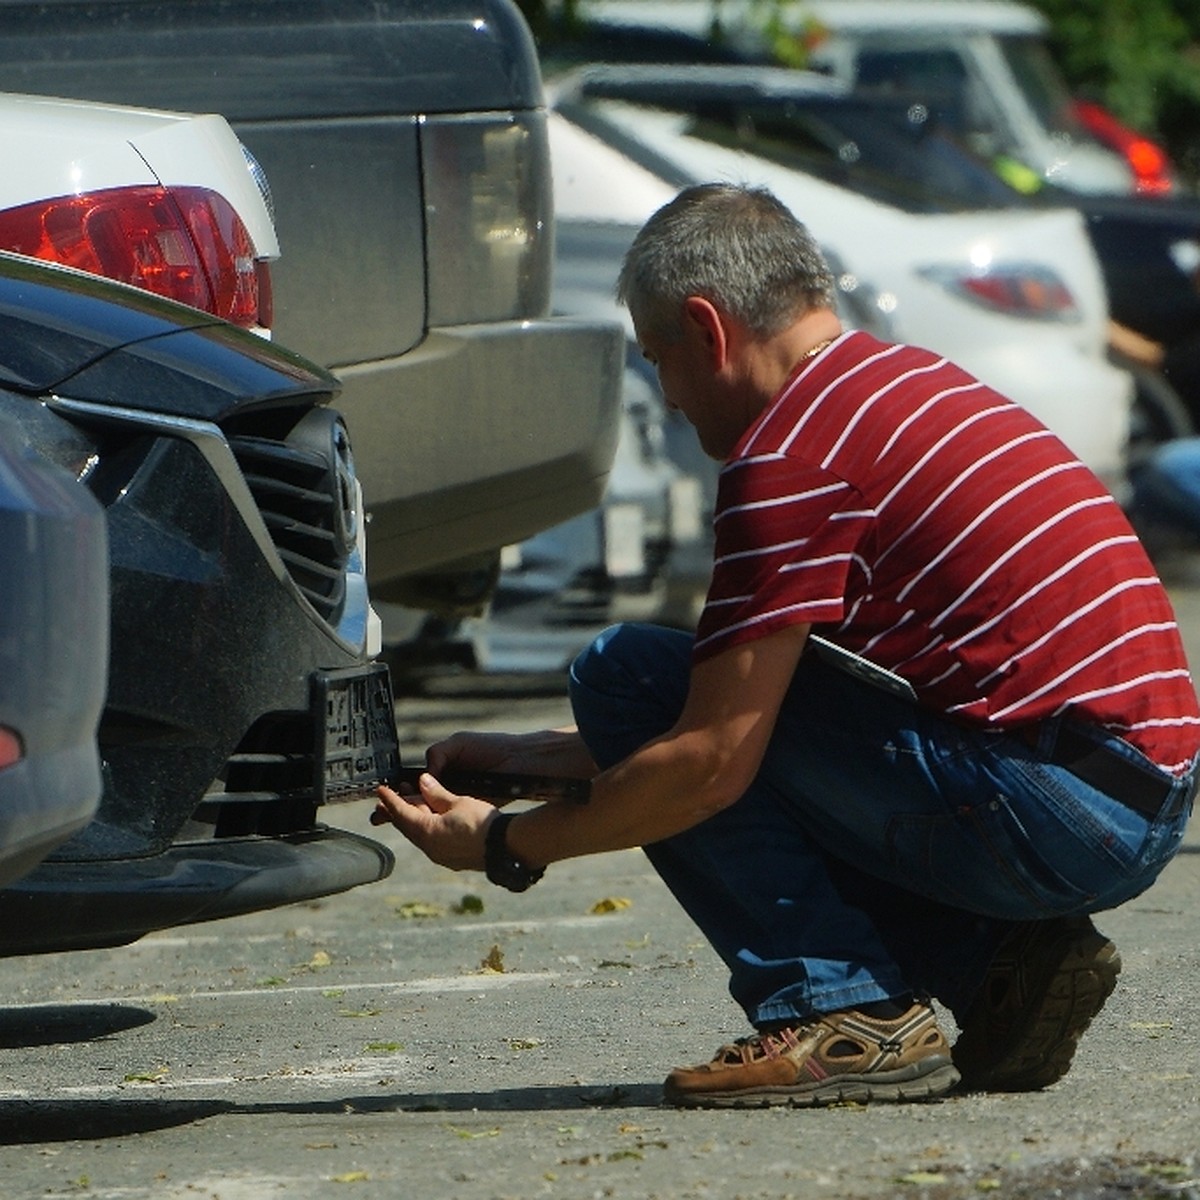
240, 695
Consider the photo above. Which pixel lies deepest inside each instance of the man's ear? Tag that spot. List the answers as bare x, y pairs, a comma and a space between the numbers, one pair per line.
706, 322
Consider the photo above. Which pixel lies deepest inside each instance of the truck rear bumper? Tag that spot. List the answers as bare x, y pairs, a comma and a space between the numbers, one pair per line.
459, 474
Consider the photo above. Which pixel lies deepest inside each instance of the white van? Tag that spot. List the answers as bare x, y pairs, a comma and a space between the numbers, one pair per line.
982, 64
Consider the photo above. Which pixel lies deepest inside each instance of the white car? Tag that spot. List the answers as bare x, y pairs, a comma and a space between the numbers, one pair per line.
983, 63
168, 202
1013, 295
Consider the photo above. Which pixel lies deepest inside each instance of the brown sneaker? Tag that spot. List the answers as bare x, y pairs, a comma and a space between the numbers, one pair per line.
831, 1057
1046, 983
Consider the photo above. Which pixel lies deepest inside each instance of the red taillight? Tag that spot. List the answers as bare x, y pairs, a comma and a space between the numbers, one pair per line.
226, 252
187, 244
1025, 293
10, 748
1152, 169
1150, 164
266, 295
1016, 289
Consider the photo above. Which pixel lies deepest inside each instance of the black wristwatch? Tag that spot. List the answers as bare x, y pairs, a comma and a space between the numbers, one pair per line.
503, 867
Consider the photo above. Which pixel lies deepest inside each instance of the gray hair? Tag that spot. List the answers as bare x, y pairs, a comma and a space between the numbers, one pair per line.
738, 247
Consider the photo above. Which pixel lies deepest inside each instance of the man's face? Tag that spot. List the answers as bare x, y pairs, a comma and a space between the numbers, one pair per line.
691, 385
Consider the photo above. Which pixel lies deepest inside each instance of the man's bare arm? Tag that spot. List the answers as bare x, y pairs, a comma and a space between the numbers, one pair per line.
691, 772
674, 782
546, 752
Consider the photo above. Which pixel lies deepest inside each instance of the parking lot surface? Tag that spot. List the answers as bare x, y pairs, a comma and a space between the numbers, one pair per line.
434, 1036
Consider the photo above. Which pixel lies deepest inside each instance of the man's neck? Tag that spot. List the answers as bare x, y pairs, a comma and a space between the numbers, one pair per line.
775, 360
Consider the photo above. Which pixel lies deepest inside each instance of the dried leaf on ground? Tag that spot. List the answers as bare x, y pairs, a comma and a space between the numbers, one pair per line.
493, 962
157, 1075
411, 910
610, 904
1153, 1028
515, 1043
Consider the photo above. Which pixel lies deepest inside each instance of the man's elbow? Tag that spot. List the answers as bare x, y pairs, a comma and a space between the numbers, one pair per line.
724, 788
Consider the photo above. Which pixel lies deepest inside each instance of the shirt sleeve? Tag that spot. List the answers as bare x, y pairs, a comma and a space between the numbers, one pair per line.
787, 538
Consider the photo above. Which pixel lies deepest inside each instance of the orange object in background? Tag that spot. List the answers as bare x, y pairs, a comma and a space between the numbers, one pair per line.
1150, 163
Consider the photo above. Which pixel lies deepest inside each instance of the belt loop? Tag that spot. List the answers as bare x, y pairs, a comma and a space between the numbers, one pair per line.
1045, 736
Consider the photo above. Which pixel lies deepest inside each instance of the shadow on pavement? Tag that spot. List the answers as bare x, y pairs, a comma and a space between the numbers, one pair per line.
32, 1121
28, 1122
51, 1024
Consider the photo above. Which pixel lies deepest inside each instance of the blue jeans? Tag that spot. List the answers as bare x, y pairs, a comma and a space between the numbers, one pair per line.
881, 850
1166, 487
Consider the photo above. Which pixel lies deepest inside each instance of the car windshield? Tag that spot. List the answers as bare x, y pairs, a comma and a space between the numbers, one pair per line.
889, 149
1041, 84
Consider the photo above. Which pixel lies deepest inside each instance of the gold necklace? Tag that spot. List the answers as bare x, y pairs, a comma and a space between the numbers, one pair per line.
816, 350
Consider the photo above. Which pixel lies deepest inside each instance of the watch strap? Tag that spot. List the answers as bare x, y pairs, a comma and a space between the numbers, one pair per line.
503, 867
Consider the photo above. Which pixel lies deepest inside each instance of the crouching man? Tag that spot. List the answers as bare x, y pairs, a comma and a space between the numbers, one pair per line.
849, 851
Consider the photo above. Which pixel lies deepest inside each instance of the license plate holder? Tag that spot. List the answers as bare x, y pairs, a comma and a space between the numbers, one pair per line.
357, 743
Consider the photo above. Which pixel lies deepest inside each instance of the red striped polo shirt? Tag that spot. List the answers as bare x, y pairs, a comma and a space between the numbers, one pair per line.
914, 515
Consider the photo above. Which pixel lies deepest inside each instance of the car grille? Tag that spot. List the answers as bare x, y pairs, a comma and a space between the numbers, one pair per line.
303, 484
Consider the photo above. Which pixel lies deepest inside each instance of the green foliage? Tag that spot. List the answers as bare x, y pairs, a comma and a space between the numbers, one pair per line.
787, 29
1140, 58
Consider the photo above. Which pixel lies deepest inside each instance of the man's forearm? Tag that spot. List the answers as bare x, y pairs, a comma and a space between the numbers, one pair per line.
685, 776
668, 786
546, 752
559, 752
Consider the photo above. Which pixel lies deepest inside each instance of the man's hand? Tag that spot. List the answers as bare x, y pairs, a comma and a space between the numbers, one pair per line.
448, 829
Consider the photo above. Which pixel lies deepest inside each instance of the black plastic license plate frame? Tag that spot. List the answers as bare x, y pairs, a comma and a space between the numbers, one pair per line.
358, 746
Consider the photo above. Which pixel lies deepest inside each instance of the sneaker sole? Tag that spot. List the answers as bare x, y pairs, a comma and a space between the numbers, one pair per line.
1063, 1003
912, 1084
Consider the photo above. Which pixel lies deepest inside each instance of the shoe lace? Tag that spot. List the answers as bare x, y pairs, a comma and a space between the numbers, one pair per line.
777, 1042
772, 1044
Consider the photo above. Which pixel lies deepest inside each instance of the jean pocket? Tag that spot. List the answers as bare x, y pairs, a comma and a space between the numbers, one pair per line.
983, 857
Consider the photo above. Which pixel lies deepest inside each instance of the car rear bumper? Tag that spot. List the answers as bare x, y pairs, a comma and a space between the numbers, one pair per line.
459, 474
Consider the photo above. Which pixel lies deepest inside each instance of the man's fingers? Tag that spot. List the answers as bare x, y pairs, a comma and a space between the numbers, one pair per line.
411, 812
436, 796
447, 828
394, 808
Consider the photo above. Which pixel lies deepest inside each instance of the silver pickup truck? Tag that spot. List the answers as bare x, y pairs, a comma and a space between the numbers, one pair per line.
406, 149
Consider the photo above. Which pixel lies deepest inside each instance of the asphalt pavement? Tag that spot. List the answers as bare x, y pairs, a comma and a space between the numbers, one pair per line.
432, 1036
